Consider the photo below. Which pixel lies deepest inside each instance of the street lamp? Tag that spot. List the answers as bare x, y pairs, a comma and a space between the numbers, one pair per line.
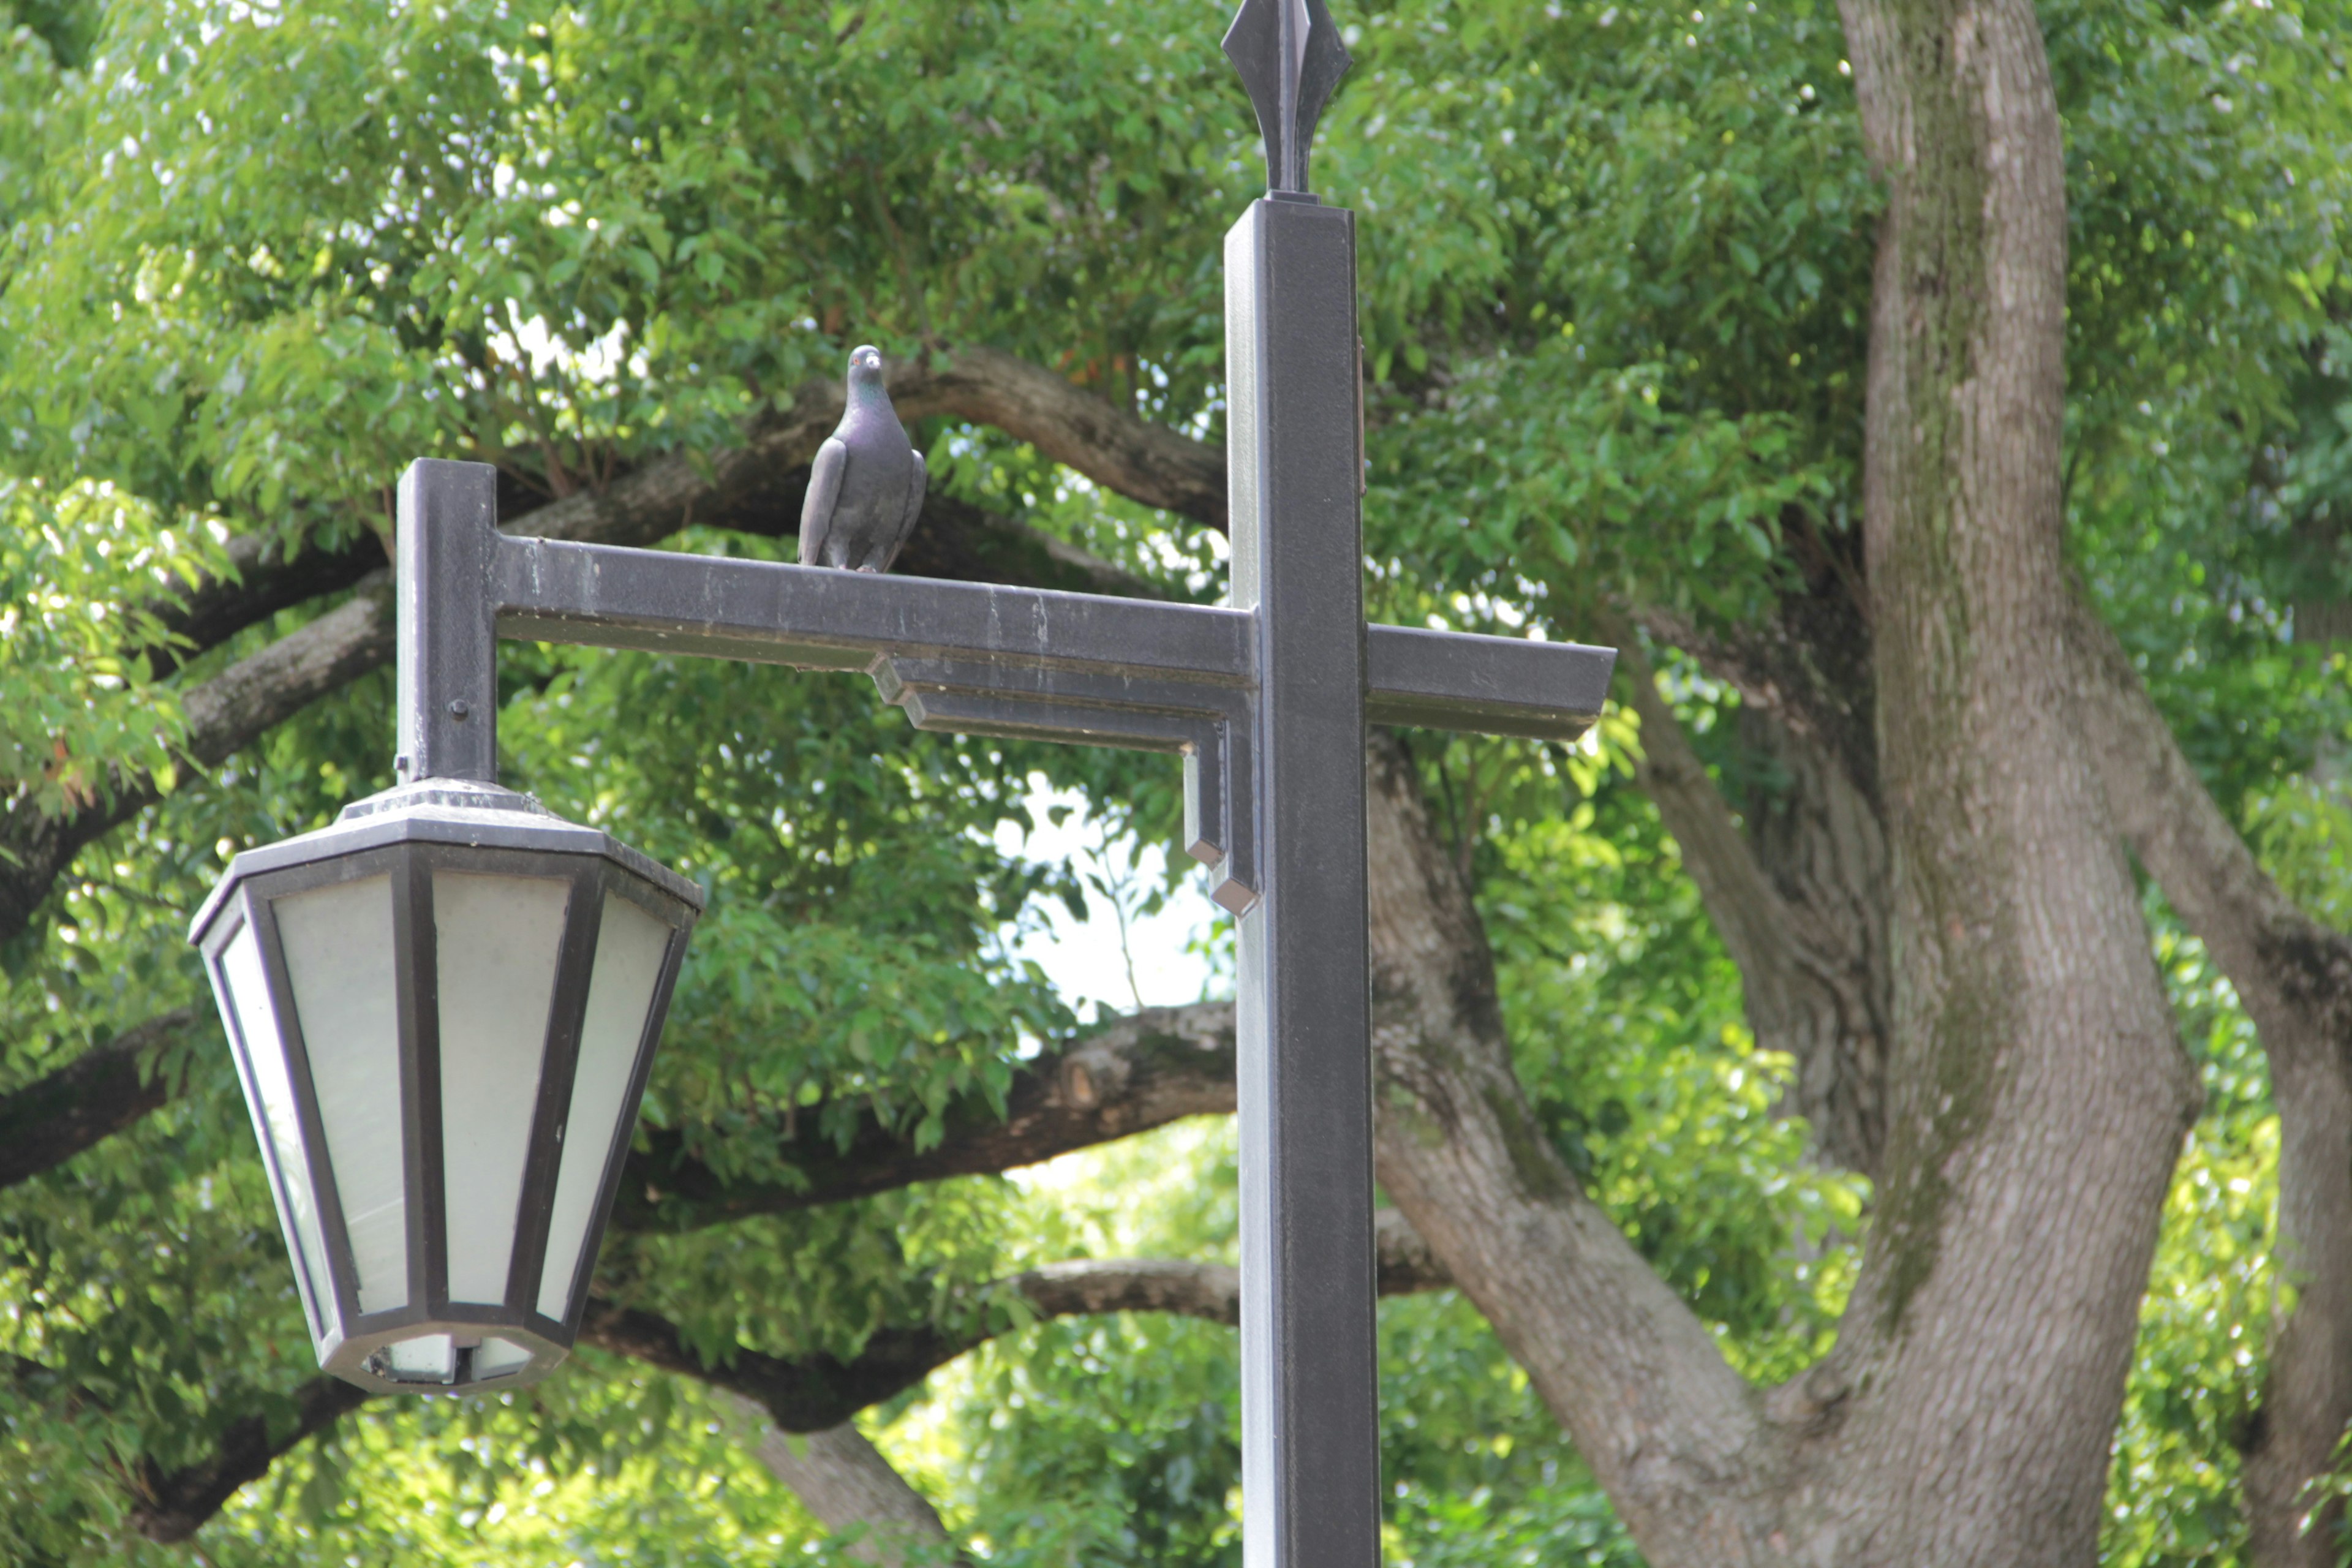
442, 1008
444, 1002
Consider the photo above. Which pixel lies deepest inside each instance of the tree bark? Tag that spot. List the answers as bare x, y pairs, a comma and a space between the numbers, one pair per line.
809, 1393
2037, 1092
2293, 976
98, 1094
171, 1505
1798, 900
1677, 1437
842, 1479
1141, 1071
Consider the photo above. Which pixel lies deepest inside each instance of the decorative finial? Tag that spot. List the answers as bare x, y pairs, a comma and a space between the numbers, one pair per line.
1290, 58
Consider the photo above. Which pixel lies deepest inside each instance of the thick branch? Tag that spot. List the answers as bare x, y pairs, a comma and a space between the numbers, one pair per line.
1808, 663
1143, 1071
1143, 462
1139, 1072
799, 1393
171, 1506
2293, 976
260, 584
1673, 1434
810, 1394
95, 1096
756, 488
1812, 968
847, 1483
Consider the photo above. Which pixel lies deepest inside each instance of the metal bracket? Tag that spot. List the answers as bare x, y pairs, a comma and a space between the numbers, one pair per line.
1208, 725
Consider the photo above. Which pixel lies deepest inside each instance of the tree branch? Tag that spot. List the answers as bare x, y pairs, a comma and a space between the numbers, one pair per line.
169, 1506
95, 1096
1814, 987
756, 487
1133, 456
812, 1393
845, 1481
2293, 977
1144, 1070
799, 1393
1671, 1430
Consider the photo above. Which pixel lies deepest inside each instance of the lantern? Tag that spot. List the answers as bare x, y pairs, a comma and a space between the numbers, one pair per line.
442, 1010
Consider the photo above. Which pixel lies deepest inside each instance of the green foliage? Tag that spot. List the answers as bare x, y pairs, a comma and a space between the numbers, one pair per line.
1626, 1014
82, 699
1615, 275
2197, 1376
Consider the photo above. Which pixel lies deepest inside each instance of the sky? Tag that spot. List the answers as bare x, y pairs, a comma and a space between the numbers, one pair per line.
1086, 960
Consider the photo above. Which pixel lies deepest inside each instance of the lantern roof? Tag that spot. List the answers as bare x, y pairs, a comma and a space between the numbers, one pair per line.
441, 811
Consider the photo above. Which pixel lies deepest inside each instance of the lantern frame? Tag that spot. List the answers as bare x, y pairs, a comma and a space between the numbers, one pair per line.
408, 834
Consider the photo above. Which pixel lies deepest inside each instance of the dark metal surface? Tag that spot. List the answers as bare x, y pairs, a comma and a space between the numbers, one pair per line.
447, 648
1310, 1393
1207, 724
813, 618
1290, 56
1496, 686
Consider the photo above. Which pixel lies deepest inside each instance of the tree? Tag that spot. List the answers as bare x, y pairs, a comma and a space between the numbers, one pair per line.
1941, 405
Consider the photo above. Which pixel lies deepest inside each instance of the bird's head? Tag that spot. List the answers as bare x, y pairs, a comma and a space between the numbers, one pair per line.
865, 370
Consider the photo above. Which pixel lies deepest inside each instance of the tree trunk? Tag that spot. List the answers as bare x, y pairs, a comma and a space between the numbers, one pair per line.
2037, 1092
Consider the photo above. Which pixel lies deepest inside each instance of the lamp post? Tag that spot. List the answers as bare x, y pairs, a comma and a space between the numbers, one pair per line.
443, 1005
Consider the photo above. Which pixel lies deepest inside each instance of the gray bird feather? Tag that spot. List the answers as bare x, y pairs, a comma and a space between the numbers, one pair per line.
866, 488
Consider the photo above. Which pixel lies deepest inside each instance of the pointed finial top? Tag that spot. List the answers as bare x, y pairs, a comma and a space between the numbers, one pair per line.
1290, 58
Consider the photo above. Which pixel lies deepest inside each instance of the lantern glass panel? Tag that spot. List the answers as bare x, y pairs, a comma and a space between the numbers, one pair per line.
339, 963
270, 1095
630, 946
429, 1358
497, 1357
496, 941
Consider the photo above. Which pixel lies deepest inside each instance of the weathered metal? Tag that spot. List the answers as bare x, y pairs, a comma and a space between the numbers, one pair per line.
1310, 1388
980, 658
1290, 56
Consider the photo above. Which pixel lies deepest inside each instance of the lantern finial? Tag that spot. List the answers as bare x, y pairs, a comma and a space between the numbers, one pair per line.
1290, 58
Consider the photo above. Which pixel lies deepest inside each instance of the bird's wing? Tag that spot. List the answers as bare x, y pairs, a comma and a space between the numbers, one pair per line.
823, 490
915, 489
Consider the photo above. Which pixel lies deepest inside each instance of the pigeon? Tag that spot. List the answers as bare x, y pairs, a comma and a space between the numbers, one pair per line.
867, 484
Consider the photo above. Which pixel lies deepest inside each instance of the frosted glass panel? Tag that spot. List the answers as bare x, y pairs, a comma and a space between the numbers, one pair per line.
495, 941
429, 1358
338, 944
629, 948
269, 1094
497, 1357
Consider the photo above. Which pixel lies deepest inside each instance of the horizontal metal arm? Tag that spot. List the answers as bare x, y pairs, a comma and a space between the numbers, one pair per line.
814, 617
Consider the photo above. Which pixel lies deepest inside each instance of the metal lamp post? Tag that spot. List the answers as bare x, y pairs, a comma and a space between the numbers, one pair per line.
443, 1005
